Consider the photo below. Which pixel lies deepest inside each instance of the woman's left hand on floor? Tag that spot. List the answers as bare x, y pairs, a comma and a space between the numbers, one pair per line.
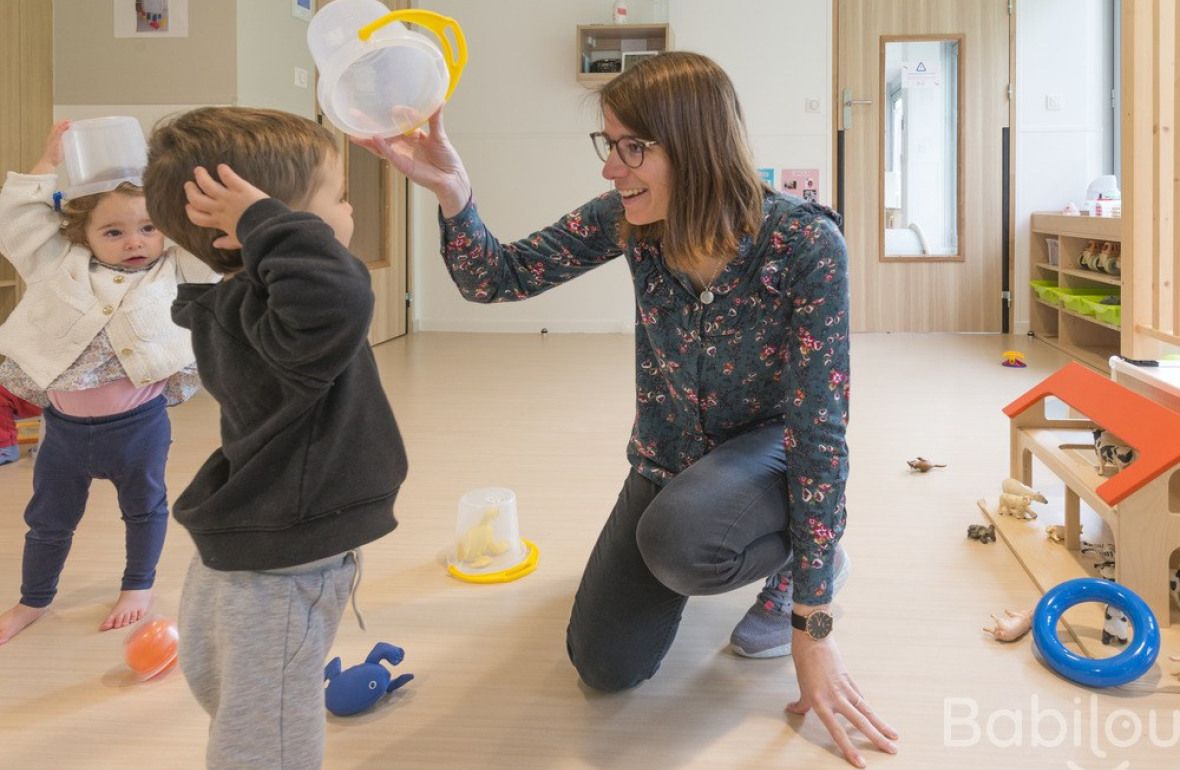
826, 687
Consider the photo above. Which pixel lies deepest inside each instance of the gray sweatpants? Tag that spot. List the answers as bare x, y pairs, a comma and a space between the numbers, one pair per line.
252, 647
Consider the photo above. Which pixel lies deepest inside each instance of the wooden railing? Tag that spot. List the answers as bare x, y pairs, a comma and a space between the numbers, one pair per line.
1151, 189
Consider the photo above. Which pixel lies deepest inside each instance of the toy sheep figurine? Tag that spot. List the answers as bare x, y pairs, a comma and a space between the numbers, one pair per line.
1016, 498
1016, 505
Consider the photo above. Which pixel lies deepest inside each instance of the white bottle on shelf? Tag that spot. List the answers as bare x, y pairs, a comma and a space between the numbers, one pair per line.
619, 14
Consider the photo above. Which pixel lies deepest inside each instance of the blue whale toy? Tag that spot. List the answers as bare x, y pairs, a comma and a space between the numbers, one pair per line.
358, 688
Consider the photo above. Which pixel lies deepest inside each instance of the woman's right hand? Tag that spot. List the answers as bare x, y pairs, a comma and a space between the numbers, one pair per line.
53, 155
429, 159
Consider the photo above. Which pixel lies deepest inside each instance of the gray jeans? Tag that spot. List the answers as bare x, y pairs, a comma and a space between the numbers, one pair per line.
716, 526
252, 647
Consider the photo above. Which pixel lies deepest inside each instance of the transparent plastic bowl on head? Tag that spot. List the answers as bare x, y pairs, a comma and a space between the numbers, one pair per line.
377, 78
102, 153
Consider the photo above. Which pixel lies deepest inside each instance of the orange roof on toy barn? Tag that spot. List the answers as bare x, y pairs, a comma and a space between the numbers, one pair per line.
1151, 429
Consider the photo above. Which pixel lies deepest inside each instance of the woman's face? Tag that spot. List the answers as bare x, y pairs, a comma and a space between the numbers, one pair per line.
646, 190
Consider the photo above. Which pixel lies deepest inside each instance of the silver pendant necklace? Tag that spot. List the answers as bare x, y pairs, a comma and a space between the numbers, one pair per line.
706, 296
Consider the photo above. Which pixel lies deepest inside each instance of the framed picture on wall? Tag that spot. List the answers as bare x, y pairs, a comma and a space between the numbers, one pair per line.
151, 18
631, 58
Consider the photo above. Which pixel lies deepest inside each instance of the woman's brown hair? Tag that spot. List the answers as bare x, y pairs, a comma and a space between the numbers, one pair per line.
279, 153
686, 103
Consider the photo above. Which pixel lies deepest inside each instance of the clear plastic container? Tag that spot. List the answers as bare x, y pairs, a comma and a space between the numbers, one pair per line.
488, 547
378, 78
1052, 250
102, 153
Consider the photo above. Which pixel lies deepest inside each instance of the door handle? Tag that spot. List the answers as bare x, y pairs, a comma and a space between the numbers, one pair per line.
848, 101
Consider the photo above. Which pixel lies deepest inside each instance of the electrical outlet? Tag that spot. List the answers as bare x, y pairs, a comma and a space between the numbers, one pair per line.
300, 77
1053, 102
811, 105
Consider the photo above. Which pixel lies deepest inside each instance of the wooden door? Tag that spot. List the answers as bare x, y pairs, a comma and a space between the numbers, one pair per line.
380, 198
957, 288
26, 103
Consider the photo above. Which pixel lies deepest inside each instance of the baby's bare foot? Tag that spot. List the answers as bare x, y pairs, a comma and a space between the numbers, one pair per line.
130, 608
17, 619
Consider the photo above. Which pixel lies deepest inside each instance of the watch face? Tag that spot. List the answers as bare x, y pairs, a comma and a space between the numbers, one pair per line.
819, 624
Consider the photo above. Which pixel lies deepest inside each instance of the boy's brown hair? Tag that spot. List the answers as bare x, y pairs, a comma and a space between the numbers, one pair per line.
687, 103
279, 153
75, 213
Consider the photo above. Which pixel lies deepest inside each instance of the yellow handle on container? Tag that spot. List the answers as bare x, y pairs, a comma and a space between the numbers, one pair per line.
455, 60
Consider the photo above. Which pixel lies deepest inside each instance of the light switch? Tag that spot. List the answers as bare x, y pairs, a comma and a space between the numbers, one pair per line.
1053, 102
300, 77
811, 105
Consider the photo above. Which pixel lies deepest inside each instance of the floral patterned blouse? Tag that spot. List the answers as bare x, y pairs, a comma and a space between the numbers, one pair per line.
771, 348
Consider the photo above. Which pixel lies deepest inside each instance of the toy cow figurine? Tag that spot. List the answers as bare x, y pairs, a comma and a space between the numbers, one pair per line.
1113, 455
356, 689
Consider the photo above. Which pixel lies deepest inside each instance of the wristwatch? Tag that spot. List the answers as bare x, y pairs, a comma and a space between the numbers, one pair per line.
817, 624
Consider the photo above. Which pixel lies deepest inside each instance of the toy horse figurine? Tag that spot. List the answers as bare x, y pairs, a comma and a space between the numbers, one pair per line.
352, 691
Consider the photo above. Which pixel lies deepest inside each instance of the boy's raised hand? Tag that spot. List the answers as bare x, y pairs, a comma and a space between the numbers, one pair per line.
53, 154
219, 205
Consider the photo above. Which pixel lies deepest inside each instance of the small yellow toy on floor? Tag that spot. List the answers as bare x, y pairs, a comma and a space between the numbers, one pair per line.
479, 545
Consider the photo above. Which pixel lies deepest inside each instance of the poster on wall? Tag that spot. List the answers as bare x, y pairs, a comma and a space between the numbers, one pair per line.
801, 182
151, 18
767, 175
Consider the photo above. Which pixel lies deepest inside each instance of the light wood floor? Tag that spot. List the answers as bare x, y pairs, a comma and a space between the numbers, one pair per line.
549, 417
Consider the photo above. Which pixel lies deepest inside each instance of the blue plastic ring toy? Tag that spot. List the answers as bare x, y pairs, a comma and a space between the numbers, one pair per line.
1128, 665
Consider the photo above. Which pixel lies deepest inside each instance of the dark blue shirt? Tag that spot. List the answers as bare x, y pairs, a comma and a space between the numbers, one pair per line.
771, 348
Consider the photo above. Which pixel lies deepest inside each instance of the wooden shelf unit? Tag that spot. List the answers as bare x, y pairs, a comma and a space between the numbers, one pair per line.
611, 41
1085, 338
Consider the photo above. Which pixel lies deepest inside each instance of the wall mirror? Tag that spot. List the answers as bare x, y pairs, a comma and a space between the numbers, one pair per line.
921, 180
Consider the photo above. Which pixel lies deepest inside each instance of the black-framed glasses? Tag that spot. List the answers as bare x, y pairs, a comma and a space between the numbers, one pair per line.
630, 149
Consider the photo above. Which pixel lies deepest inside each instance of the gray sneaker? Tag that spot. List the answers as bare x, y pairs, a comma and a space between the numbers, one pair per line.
765, 631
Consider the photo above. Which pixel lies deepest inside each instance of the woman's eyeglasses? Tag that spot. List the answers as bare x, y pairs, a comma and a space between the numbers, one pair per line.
630, 149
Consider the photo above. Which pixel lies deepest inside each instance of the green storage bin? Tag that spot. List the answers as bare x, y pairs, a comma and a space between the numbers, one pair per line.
1058, 294
1082, 303
1109, 314
1042, 287
1092, 305
1087, 304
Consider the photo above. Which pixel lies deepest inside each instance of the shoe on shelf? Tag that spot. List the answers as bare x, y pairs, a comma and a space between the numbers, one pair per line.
765, 630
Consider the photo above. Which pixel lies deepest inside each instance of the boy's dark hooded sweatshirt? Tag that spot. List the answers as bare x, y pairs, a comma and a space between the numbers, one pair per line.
310, 458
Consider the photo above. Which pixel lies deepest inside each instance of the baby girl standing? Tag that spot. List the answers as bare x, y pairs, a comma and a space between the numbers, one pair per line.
93, 343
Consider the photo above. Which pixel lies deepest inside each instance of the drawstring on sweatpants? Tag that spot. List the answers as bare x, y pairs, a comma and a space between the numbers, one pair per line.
356, 582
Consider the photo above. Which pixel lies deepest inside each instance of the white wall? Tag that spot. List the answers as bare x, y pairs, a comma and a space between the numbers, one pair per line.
237, 52
1063, 51
520, 120
271, 44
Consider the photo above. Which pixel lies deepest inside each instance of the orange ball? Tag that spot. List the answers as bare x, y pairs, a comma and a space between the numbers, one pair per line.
150, 648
